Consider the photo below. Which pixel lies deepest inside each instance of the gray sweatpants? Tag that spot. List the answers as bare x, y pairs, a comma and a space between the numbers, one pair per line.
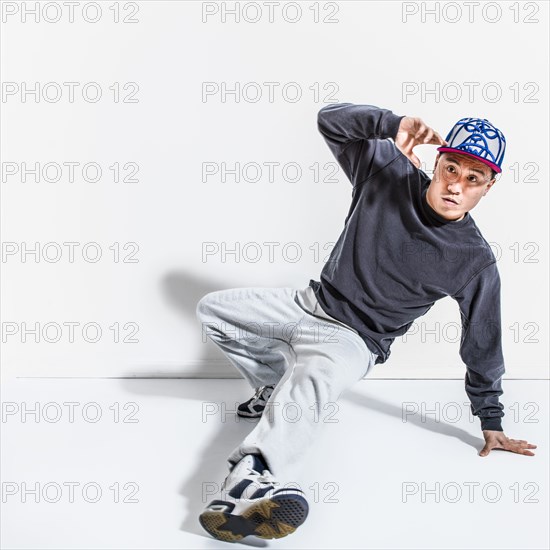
282, 337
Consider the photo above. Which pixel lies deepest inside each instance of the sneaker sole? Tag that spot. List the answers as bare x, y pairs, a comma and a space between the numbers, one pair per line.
249, 415
271, 518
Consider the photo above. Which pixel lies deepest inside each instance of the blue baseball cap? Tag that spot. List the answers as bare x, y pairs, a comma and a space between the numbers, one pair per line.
477, 138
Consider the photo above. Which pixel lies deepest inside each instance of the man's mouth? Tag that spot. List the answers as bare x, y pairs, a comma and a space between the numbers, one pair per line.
449, 200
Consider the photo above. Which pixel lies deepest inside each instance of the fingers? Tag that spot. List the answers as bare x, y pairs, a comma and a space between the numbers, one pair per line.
522, 443
426, 135
421, 133
519, 446
485, 451
406, 146
439, 140
415, 160
408, 151
500, 441
519, 451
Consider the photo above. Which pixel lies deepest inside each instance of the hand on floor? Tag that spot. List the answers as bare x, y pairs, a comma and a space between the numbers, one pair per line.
497, 440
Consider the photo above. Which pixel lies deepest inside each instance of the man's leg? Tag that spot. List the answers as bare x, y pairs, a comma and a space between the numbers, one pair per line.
328, 359
252, 326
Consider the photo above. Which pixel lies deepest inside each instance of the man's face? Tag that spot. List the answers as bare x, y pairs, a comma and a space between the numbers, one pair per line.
461, 179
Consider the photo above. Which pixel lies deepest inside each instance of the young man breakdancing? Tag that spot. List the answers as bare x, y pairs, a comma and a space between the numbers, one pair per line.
408, 241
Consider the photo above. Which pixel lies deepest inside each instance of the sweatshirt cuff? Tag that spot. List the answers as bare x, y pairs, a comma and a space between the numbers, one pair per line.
494, 423
390, 124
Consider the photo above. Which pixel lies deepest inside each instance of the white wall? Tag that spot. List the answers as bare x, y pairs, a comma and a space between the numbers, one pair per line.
365, 56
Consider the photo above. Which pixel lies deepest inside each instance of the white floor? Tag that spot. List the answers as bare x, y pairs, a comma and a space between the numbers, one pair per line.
156, 454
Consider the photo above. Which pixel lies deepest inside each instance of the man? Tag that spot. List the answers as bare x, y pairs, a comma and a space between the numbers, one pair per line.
408, 241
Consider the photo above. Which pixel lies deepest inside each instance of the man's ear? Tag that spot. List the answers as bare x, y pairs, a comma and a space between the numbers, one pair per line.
436, 160
489, 185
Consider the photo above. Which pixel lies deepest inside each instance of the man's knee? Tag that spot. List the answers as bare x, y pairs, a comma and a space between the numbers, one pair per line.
321, 375
205, 309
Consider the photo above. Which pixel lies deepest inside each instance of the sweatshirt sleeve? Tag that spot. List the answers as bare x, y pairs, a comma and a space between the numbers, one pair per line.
351, 132
481, 345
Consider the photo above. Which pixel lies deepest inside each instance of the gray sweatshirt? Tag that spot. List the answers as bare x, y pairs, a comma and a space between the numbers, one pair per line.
396, 256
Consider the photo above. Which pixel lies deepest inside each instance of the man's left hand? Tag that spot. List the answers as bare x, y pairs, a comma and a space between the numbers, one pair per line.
497, 440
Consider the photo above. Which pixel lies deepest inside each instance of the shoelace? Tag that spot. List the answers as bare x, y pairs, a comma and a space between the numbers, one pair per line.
259, 392
265, 477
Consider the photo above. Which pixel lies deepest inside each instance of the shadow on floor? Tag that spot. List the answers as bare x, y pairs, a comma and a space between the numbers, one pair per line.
184, 292
204, 483
425, 422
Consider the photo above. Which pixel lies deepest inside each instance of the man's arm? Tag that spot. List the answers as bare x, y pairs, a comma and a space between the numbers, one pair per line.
481, 350
481, 345
351, 132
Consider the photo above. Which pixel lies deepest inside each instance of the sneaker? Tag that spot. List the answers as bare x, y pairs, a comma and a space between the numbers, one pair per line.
254, 505
254, 407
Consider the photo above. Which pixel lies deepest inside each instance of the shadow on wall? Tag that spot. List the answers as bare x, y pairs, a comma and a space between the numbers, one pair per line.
183, 292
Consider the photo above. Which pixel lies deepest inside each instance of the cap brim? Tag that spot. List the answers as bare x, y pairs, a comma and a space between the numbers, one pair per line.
459, 152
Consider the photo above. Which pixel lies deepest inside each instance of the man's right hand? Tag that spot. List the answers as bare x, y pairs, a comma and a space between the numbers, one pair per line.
414, 131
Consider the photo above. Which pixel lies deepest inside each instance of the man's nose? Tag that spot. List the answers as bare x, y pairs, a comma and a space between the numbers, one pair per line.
454, 186
454, 183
